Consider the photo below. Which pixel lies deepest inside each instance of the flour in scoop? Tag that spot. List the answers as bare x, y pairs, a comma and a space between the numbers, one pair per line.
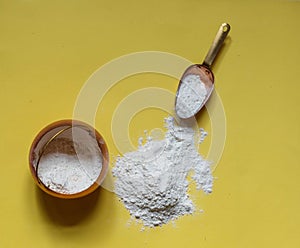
69, 167
190, 97
152, 181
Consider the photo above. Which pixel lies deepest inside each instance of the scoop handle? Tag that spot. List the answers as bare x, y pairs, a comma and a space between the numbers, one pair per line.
216, 45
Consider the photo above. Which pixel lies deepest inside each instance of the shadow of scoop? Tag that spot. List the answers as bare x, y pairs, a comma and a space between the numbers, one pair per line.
67, 212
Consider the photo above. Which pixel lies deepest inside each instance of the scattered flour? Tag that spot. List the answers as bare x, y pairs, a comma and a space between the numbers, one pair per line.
190, 97
69, 167
152, 181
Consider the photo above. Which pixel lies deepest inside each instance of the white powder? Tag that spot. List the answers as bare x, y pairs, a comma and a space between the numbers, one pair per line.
190, 96
70, 167
152, 181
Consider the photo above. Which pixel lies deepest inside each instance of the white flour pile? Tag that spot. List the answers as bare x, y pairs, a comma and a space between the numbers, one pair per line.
190, 97
152, 181
69, 167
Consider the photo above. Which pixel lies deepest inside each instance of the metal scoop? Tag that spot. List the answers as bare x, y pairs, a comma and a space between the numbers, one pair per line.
198, 80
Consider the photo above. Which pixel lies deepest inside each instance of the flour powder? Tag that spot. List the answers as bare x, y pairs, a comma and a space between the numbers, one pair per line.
152, 181
191, 95
69, 166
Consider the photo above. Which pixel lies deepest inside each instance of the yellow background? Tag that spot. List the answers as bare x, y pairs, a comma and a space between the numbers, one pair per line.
48, 49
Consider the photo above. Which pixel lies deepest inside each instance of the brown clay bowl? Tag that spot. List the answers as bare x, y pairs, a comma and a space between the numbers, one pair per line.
44, 137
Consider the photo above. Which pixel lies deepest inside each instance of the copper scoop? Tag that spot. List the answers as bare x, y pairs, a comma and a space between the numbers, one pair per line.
197, 82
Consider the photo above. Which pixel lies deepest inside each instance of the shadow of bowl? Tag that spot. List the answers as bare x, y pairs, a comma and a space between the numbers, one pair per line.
67, 212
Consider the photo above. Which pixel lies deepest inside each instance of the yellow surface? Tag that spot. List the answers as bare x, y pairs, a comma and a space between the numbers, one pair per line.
48, 49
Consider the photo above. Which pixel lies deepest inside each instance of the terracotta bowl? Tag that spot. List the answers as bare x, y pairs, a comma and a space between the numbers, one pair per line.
46, 135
